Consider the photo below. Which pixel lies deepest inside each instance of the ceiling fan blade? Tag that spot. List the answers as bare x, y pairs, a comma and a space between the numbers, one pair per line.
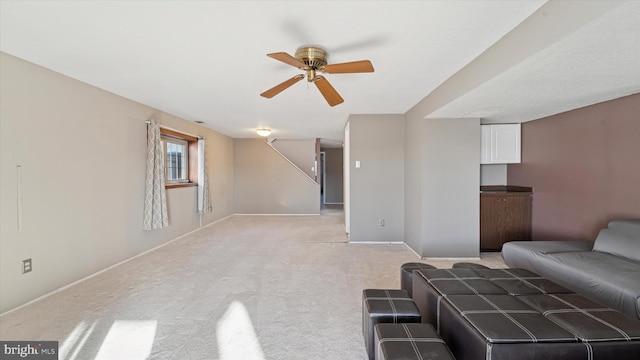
330, 94
288, 59
349, 67
281, 87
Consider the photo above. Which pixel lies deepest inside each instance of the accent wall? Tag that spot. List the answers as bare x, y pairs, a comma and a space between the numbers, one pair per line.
584, 167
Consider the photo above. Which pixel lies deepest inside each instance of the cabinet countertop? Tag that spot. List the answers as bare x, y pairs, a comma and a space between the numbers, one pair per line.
505, 189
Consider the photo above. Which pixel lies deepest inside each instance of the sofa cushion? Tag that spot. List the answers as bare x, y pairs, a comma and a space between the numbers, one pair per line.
609, 279
619, 239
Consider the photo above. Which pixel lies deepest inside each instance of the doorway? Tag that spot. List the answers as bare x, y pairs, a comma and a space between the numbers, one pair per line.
331, 179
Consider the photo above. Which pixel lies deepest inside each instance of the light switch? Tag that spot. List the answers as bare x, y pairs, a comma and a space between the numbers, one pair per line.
357, 164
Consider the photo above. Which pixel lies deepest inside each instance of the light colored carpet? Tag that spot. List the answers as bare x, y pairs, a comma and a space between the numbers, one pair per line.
247, 287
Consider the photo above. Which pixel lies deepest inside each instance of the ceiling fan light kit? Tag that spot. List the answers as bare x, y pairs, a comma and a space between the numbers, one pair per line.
312, 59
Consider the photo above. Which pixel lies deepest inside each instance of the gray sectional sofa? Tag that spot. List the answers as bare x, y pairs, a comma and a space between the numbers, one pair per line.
606, 270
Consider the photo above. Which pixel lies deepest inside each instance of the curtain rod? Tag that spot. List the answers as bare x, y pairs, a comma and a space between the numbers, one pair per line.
180, 131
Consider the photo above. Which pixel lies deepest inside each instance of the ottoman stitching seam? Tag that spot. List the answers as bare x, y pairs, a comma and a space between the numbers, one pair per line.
393, 306
413, 344
624, 334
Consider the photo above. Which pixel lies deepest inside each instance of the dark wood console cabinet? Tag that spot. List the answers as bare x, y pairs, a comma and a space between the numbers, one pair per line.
505, 215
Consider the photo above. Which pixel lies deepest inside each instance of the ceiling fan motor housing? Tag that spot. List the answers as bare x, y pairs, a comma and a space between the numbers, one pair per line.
313, 56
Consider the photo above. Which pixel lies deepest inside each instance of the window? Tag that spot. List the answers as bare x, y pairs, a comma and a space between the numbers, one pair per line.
180, 159
176, 160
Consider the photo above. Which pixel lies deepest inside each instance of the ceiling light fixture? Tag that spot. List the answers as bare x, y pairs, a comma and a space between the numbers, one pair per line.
263, 132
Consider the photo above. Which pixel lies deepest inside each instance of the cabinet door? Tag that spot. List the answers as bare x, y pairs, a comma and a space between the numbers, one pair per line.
485, 142
492, 220
518, 220
505, 143
504, 218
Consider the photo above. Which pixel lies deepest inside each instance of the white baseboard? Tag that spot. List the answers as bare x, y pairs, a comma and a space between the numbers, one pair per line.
413, 251
377, 242
276, 214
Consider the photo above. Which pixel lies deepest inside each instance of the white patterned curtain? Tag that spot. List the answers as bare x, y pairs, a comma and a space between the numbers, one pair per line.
204, 201
155, 201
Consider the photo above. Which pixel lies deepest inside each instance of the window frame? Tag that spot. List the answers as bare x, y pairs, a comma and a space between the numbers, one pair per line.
176, 160
192, 158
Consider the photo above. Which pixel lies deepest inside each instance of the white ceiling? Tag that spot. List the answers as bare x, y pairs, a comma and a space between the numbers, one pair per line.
504, 61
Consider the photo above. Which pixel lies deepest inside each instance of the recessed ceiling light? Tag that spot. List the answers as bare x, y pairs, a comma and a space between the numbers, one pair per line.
263, 132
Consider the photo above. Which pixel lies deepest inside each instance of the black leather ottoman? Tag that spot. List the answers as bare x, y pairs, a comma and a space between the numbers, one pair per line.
556, 327
408, 342
516, 314
406, 274
479, 327
385, 306
431, 286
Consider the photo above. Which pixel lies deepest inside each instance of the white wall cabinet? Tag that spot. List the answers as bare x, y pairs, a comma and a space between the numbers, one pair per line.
500, 144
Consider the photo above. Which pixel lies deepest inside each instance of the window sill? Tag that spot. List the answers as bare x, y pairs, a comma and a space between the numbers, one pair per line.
181, 185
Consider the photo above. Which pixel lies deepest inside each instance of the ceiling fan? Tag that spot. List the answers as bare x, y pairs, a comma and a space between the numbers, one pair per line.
312, 59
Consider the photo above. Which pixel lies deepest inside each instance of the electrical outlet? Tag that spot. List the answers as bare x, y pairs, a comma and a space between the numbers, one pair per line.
26, 266
381, 222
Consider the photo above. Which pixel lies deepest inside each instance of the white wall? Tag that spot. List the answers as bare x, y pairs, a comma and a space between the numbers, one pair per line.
266, 183
376, 189
82, 154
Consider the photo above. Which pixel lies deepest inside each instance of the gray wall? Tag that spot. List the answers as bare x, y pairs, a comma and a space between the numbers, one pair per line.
493, 174
82, 152
442, 182
333, 176
266, 183
301, 152
376, 188
413, 182
584, 167
452, 188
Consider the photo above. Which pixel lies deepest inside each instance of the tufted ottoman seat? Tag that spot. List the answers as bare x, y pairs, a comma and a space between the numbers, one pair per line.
385, 306
606, 333
479, 327
431, 286
408, 342
502, 327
